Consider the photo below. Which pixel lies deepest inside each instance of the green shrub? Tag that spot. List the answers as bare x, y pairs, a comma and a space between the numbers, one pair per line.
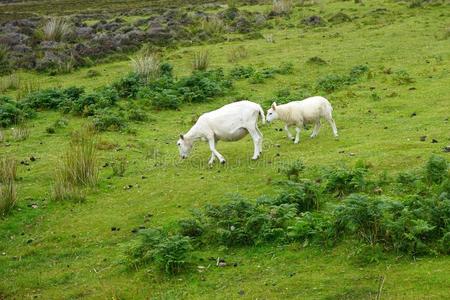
11, 112
128, 86
343, 181
285, 68
101, 98
437, 169
313, 228
240, 72
137, 115
332, 82
171, 254
45, 99
292, 171
305, 195
191, 228
108, 120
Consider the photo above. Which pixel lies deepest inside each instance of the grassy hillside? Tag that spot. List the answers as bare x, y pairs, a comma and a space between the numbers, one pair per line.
52, 250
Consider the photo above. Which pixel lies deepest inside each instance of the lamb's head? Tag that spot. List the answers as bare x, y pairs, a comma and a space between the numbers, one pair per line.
272, 113
184, 146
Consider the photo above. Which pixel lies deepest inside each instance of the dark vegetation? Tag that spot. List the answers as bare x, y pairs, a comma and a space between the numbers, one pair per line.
411, 218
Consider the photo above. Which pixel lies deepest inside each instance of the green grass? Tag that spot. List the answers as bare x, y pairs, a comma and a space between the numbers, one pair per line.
74, 253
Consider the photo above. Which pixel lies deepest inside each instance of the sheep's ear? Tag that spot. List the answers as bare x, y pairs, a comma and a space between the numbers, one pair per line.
181, 137
274, 105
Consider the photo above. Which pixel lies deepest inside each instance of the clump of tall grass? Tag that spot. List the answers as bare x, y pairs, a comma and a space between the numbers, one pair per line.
201, 60
20, 133
237, 54
5, 65
26, 88
119, 166
213, 26
2, 136
77, 168
9, 82
56, 29
8, 195
146, 66
282, 7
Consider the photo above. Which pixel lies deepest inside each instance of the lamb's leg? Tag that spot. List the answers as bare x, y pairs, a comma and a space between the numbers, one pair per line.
316, 129
286, 128
260, 140
257, 140
212, 146
297, 135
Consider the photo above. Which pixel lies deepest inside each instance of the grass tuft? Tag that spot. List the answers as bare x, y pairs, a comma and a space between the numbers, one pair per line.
56, 29
8, 195
282, 7
146, 66
201, 60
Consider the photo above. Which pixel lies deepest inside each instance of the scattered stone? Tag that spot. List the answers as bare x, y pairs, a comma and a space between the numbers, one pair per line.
134, 230
352, 154
423, 138
29, 241
446, 149
413, 114
143, 177
412, 88
128, 186
378, 190
32, 158
115, 228
313, 21
434, 141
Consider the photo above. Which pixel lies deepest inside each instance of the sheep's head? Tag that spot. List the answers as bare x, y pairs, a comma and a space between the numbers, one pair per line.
272, 114
184, 146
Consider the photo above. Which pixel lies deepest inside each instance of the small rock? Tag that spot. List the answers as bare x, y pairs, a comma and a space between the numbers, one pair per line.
277, 145
446, 149
29, 241
113, 228
134, 230
32, 158
278, 154
412, 88
413, 114
385, 127
352, 154
423, 138
143, 177
222, 264
434, 141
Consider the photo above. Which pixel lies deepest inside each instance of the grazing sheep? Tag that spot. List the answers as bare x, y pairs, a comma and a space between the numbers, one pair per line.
229, 123
299, 113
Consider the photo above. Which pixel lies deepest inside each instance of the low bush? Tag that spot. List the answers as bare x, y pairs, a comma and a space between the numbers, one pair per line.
128, 86
12, 112
334, 82
240, 72
171, 254
304, 195
108, 120
343, 181
437, 169
313, 228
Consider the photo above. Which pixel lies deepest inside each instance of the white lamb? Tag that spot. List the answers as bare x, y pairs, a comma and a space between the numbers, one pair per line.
299, 113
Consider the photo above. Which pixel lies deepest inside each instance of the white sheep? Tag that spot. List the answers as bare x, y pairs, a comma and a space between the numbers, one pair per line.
299, 113
229, 123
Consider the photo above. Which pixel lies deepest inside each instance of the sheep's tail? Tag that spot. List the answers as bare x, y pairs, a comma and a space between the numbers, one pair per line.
261, 113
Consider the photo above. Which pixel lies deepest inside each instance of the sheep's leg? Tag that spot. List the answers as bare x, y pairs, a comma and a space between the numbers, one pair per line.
257, 140
333, 126
316, 129
286, 128
212, 146
211, 160
297, 135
